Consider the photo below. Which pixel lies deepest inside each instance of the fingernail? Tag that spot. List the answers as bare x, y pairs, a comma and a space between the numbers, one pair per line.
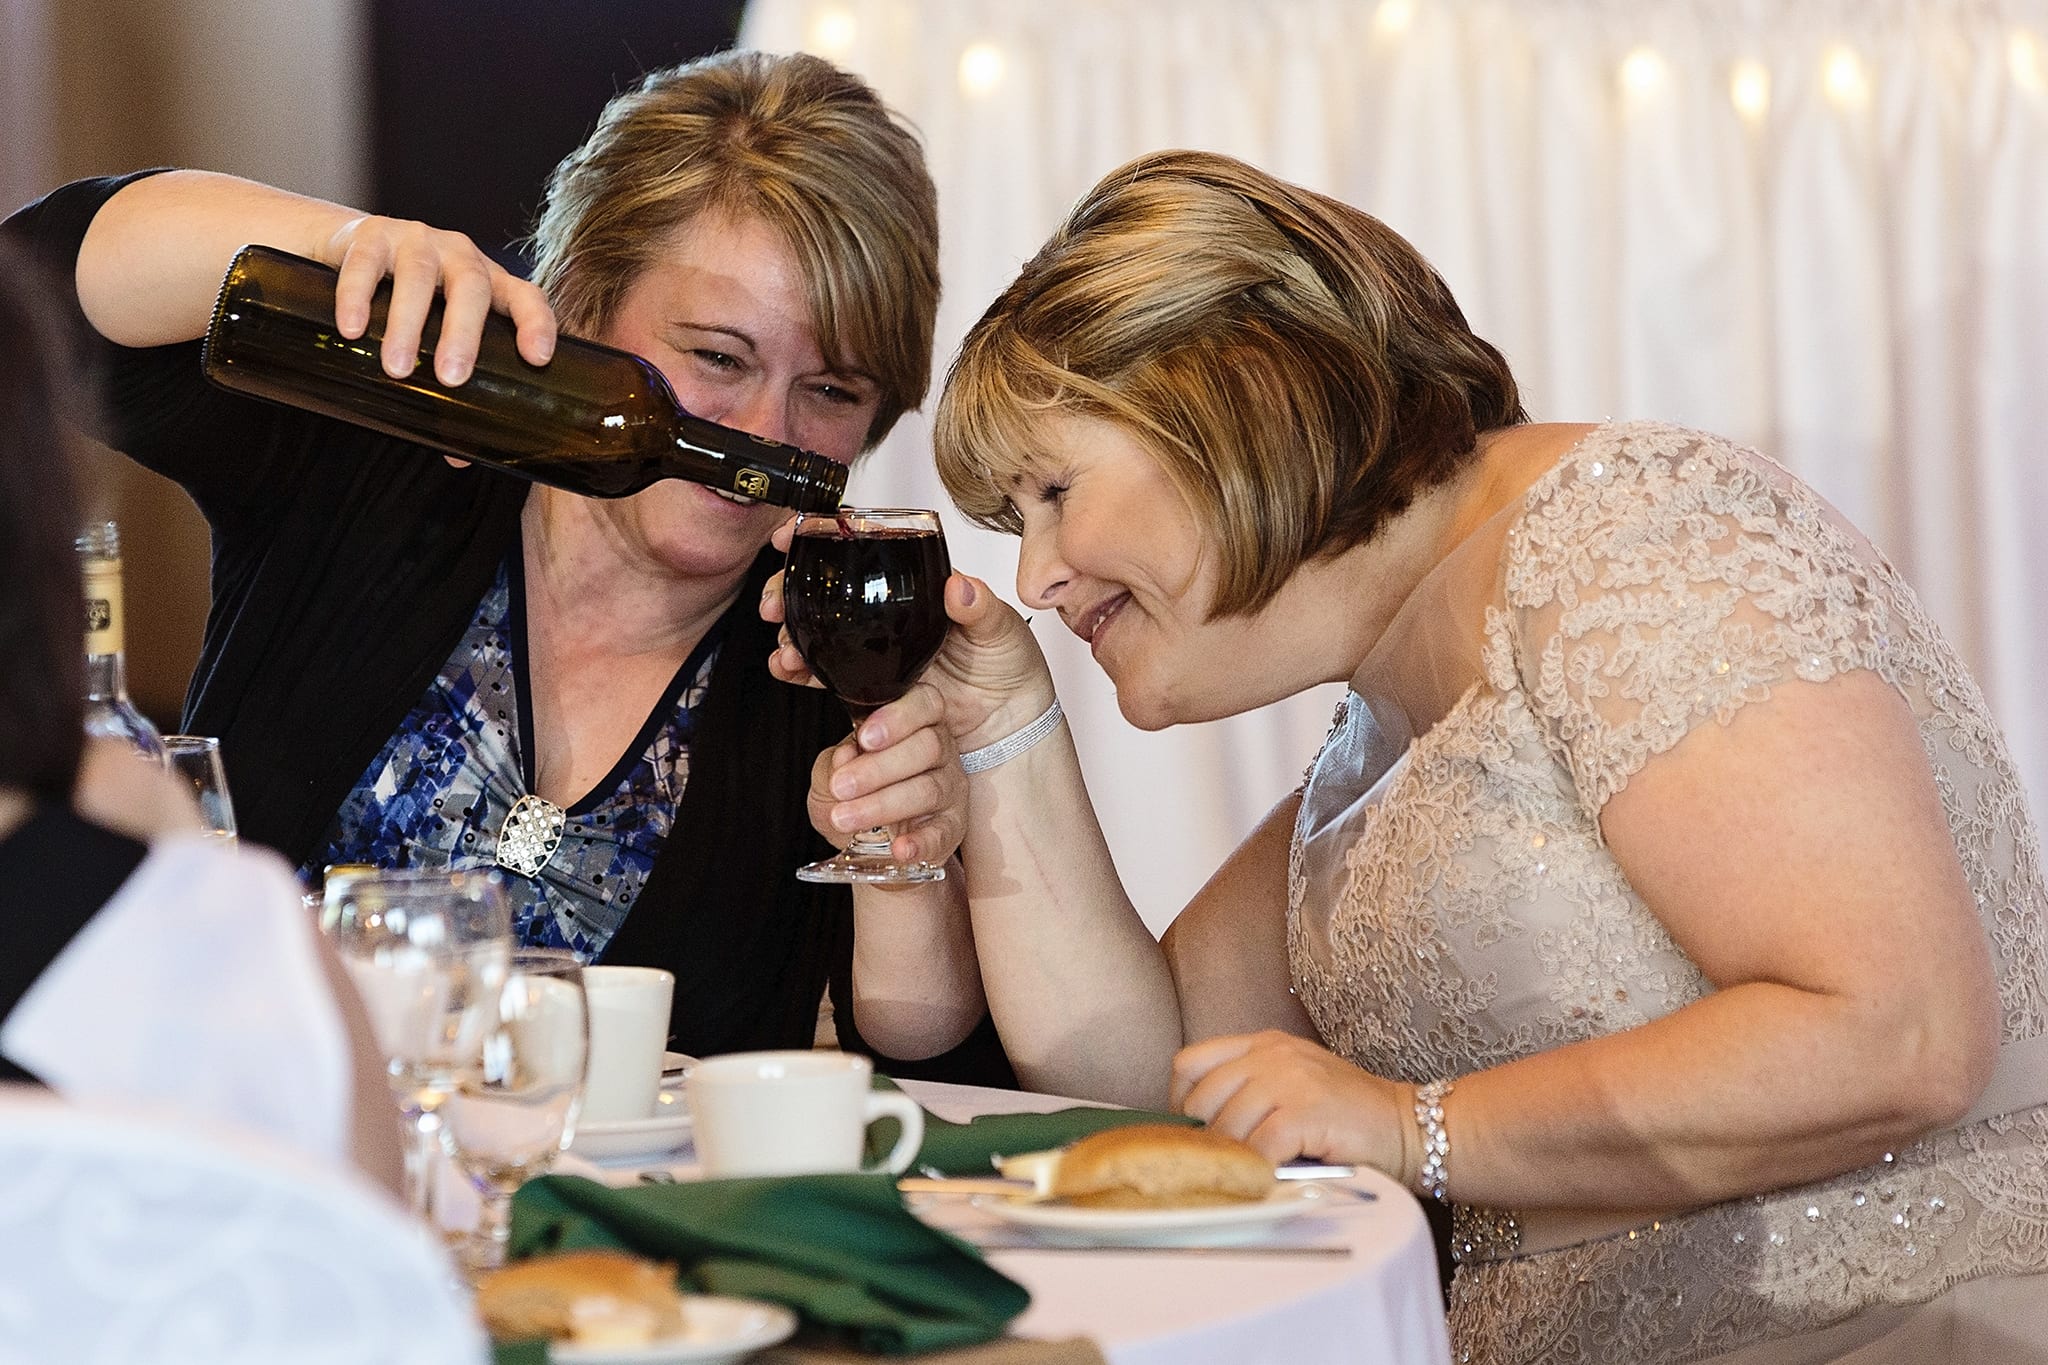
843, 787
967, 591
843, 821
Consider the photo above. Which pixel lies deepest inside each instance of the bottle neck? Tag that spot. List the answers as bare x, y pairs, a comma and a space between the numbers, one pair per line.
106, 677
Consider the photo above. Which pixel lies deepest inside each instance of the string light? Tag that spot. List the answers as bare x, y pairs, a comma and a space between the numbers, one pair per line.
832, 33
1643, 73
981, 69
2023, 54
1844, 78
1749, 89
1393, 17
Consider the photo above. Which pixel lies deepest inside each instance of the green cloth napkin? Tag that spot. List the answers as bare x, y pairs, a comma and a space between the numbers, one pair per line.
839, 1249
968, 1148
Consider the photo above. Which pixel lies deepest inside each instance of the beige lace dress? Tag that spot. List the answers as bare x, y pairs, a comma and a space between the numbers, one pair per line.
1453, 907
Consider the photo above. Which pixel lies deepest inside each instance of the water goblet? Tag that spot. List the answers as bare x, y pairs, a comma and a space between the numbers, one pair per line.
427, 951
864, 600
195, 761
511, 1114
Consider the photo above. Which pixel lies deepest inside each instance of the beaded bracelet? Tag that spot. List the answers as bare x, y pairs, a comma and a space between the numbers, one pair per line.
1436, 1141
1010, 745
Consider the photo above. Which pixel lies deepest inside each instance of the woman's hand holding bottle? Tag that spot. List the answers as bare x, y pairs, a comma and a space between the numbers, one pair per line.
421, 262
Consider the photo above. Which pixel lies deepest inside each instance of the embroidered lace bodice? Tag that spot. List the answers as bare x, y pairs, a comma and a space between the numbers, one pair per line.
1453, 907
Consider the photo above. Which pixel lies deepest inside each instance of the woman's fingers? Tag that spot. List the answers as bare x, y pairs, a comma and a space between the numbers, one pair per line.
466, 302
531, 313
365, 261
425, 263
1196, 1062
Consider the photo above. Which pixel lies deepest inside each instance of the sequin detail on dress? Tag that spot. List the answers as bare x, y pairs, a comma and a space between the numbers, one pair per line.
445, 787
1655, 580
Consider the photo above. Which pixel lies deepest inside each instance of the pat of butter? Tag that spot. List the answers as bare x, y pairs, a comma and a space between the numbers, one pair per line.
601, 1320
1036, 1167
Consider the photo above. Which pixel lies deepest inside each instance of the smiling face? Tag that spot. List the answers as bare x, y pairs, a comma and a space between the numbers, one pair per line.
1112, 545
723, 314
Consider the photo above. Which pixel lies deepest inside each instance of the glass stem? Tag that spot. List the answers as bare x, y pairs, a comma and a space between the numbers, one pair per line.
874, 842
493, 1227
422, 1146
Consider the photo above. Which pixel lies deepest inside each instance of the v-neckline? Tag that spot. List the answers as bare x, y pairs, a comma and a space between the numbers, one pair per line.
522, 691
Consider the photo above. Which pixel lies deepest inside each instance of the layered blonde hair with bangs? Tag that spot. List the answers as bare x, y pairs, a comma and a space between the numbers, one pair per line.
1298, 369
792, 140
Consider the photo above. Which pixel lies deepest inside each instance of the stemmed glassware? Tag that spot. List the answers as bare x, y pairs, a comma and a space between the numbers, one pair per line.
427, 950
510, 1116
195, 760
864, 600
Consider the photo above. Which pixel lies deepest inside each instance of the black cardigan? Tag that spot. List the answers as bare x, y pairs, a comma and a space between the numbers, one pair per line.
346, 565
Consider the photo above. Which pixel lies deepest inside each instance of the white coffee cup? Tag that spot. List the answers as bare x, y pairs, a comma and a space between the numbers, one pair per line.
629, 1009
794, 1113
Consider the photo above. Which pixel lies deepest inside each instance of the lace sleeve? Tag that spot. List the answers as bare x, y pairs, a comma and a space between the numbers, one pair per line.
1661, 577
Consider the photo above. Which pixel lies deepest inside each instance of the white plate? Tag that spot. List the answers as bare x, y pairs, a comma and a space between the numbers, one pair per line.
668, 1130
715, 1332
675, 1065
1216, 1225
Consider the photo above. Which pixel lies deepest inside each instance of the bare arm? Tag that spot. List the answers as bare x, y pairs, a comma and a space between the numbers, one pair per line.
1228, 948
153, 260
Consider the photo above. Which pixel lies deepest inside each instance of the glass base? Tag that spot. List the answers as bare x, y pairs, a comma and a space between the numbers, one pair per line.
867, 863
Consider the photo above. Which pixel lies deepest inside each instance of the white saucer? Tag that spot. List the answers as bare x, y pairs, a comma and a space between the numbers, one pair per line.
668, 1130
675, 1066
1217, 1225
716, 1331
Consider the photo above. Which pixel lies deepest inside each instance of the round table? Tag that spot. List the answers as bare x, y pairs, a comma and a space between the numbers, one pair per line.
1224, 1306
1354, 1279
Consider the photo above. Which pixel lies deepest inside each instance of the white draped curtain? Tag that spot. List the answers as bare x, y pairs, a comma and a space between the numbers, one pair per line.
1818, 226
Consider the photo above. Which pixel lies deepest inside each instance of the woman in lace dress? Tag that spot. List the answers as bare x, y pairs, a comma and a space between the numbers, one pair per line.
1664, 899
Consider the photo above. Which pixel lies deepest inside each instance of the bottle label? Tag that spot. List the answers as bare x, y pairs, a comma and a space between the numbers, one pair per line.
750, 483
103, 615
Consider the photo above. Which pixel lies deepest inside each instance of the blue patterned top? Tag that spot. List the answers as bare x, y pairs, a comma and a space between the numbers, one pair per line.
439, 792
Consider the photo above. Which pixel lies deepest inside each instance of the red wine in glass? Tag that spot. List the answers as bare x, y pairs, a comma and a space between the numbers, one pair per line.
864, 600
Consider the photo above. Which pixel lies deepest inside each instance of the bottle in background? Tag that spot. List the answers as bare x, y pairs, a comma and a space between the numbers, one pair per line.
109, 714
593, 420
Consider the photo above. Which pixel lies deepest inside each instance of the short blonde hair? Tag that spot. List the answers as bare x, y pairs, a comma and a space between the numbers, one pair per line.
793, 140
1298, 369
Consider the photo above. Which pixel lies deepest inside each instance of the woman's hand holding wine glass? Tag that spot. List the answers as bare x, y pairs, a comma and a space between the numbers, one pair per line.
987, 680
862, 599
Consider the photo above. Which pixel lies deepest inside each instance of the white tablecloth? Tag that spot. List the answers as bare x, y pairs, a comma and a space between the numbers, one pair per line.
1379, 1304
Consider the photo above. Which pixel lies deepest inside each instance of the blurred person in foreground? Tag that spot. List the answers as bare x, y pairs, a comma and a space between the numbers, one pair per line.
149, 967
399, 652
1664, 899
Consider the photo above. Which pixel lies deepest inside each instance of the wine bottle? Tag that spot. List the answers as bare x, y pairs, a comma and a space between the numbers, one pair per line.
109, 714
593, 420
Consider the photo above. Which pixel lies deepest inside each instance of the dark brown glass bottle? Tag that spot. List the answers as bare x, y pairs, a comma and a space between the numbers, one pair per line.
593, 420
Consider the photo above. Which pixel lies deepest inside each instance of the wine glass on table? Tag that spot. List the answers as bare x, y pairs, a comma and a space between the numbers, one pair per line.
511, 1114
195, 761
427, 950
864, 600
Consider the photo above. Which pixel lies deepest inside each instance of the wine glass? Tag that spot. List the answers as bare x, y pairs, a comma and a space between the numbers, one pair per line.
195, 760
427, 951
511, 1114
864, 599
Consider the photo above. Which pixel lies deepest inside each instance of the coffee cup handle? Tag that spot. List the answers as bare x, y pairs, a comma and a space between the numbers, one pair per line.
899, 1106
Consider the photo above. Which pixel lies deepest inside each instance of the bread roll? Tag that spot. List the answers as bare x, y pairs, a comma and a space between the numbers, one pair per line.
1160, 1166
585, 1296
